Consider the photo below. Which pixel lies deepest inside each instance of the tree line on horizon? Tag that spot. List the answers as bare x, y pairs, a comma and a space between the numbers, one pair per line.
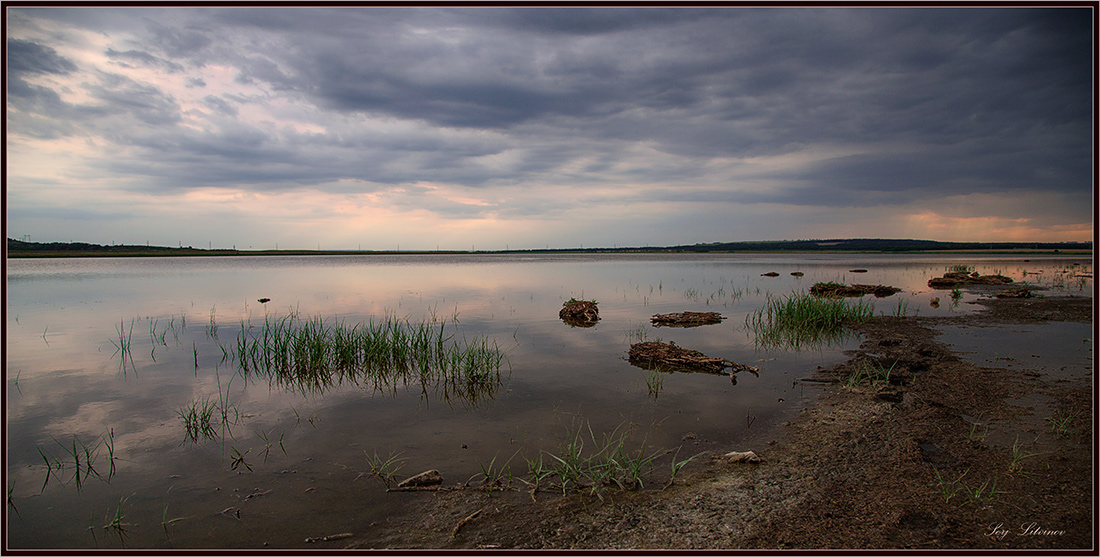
858, 244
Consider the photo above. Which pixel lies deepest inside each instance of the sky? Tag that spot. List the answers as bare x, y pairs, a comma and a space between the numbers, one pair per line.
520, 127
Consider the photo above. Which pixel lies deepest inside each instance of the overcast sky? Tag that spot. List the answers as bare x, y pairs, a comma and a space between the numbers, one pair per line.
534, 127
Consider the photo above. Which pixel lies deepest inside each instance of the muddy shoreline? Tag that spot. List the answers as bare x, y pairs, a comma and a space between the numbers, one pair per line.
946, 454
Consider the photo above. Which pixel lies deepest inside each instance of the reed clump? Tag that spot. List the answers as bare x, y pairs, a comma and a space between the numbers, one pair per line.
312, 355
803, 319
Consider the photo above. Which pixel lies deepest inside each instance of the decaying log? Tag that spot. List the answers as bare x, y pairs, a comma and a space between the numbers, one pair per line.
669, 355
951, 280
687, 318
423, 479
835, 289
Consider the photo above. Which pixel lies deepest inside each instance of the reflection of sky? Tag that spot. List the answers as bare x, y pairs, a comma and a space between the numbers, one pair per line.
63, 316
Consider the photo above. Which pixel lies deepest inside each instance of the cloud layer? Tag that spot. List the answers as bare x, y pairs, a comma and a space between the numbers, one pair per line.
547, 126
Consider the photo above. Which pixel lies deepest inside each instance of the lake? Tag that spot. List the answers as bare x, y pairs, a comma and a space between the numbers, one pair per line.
106, 356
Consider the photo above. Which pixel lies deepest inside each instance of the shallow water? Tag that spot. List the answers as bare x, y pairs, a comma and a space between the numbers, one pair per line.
66, 381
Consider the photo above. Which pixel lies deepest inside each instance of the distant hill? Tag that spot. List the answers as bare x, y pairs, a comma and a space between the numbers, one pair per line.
882, 245
18, 248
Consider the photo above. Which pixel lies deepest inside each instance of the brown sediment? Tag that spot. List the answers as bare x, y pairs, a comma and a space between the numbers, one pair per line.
835, 289
582, 313
892, 465
687, 318
951, 280
668, 355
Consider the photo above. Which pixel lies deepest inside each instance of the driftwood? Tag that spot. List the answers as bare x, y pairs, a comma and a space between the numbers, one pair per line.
951, 280
687, 318
834, 289
580, 312
669, 355
333, 537
452, 487
423, 479
461, 523
1016, 293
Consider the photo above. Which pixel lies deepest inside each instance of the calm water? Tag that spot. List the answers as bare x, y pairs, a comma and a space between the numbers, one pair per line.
66, 381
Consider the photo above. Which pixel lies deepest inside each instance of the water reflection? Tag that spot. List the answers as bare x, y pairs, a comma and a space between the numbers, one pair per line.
130, 347
312, 356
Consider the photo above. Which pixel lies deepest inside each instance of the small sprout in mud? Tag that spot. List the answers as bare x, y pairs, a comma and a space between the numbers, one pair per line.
983, 493
538, 470
165, 522
949, 489
1060, 423
678, 465
974, 435
956, 294
493, 477
263, 435
385, 469
1018, 456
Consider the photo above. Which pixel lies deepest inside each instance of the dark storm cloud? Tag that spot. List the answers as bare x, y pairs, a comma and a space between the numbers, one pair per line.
26, 57
934, 99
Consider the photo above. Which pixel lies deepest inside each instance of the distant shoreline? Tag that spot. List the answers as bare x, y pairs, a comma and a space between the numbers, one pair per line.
46, 251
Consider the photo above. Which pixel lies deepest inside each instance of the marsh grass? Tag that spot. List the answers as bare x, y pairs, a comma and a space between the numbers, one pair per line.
79, 460
115, 523
654, 381
124, 344
591, 463
197, 419
800, 319
313, 356
902, 308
